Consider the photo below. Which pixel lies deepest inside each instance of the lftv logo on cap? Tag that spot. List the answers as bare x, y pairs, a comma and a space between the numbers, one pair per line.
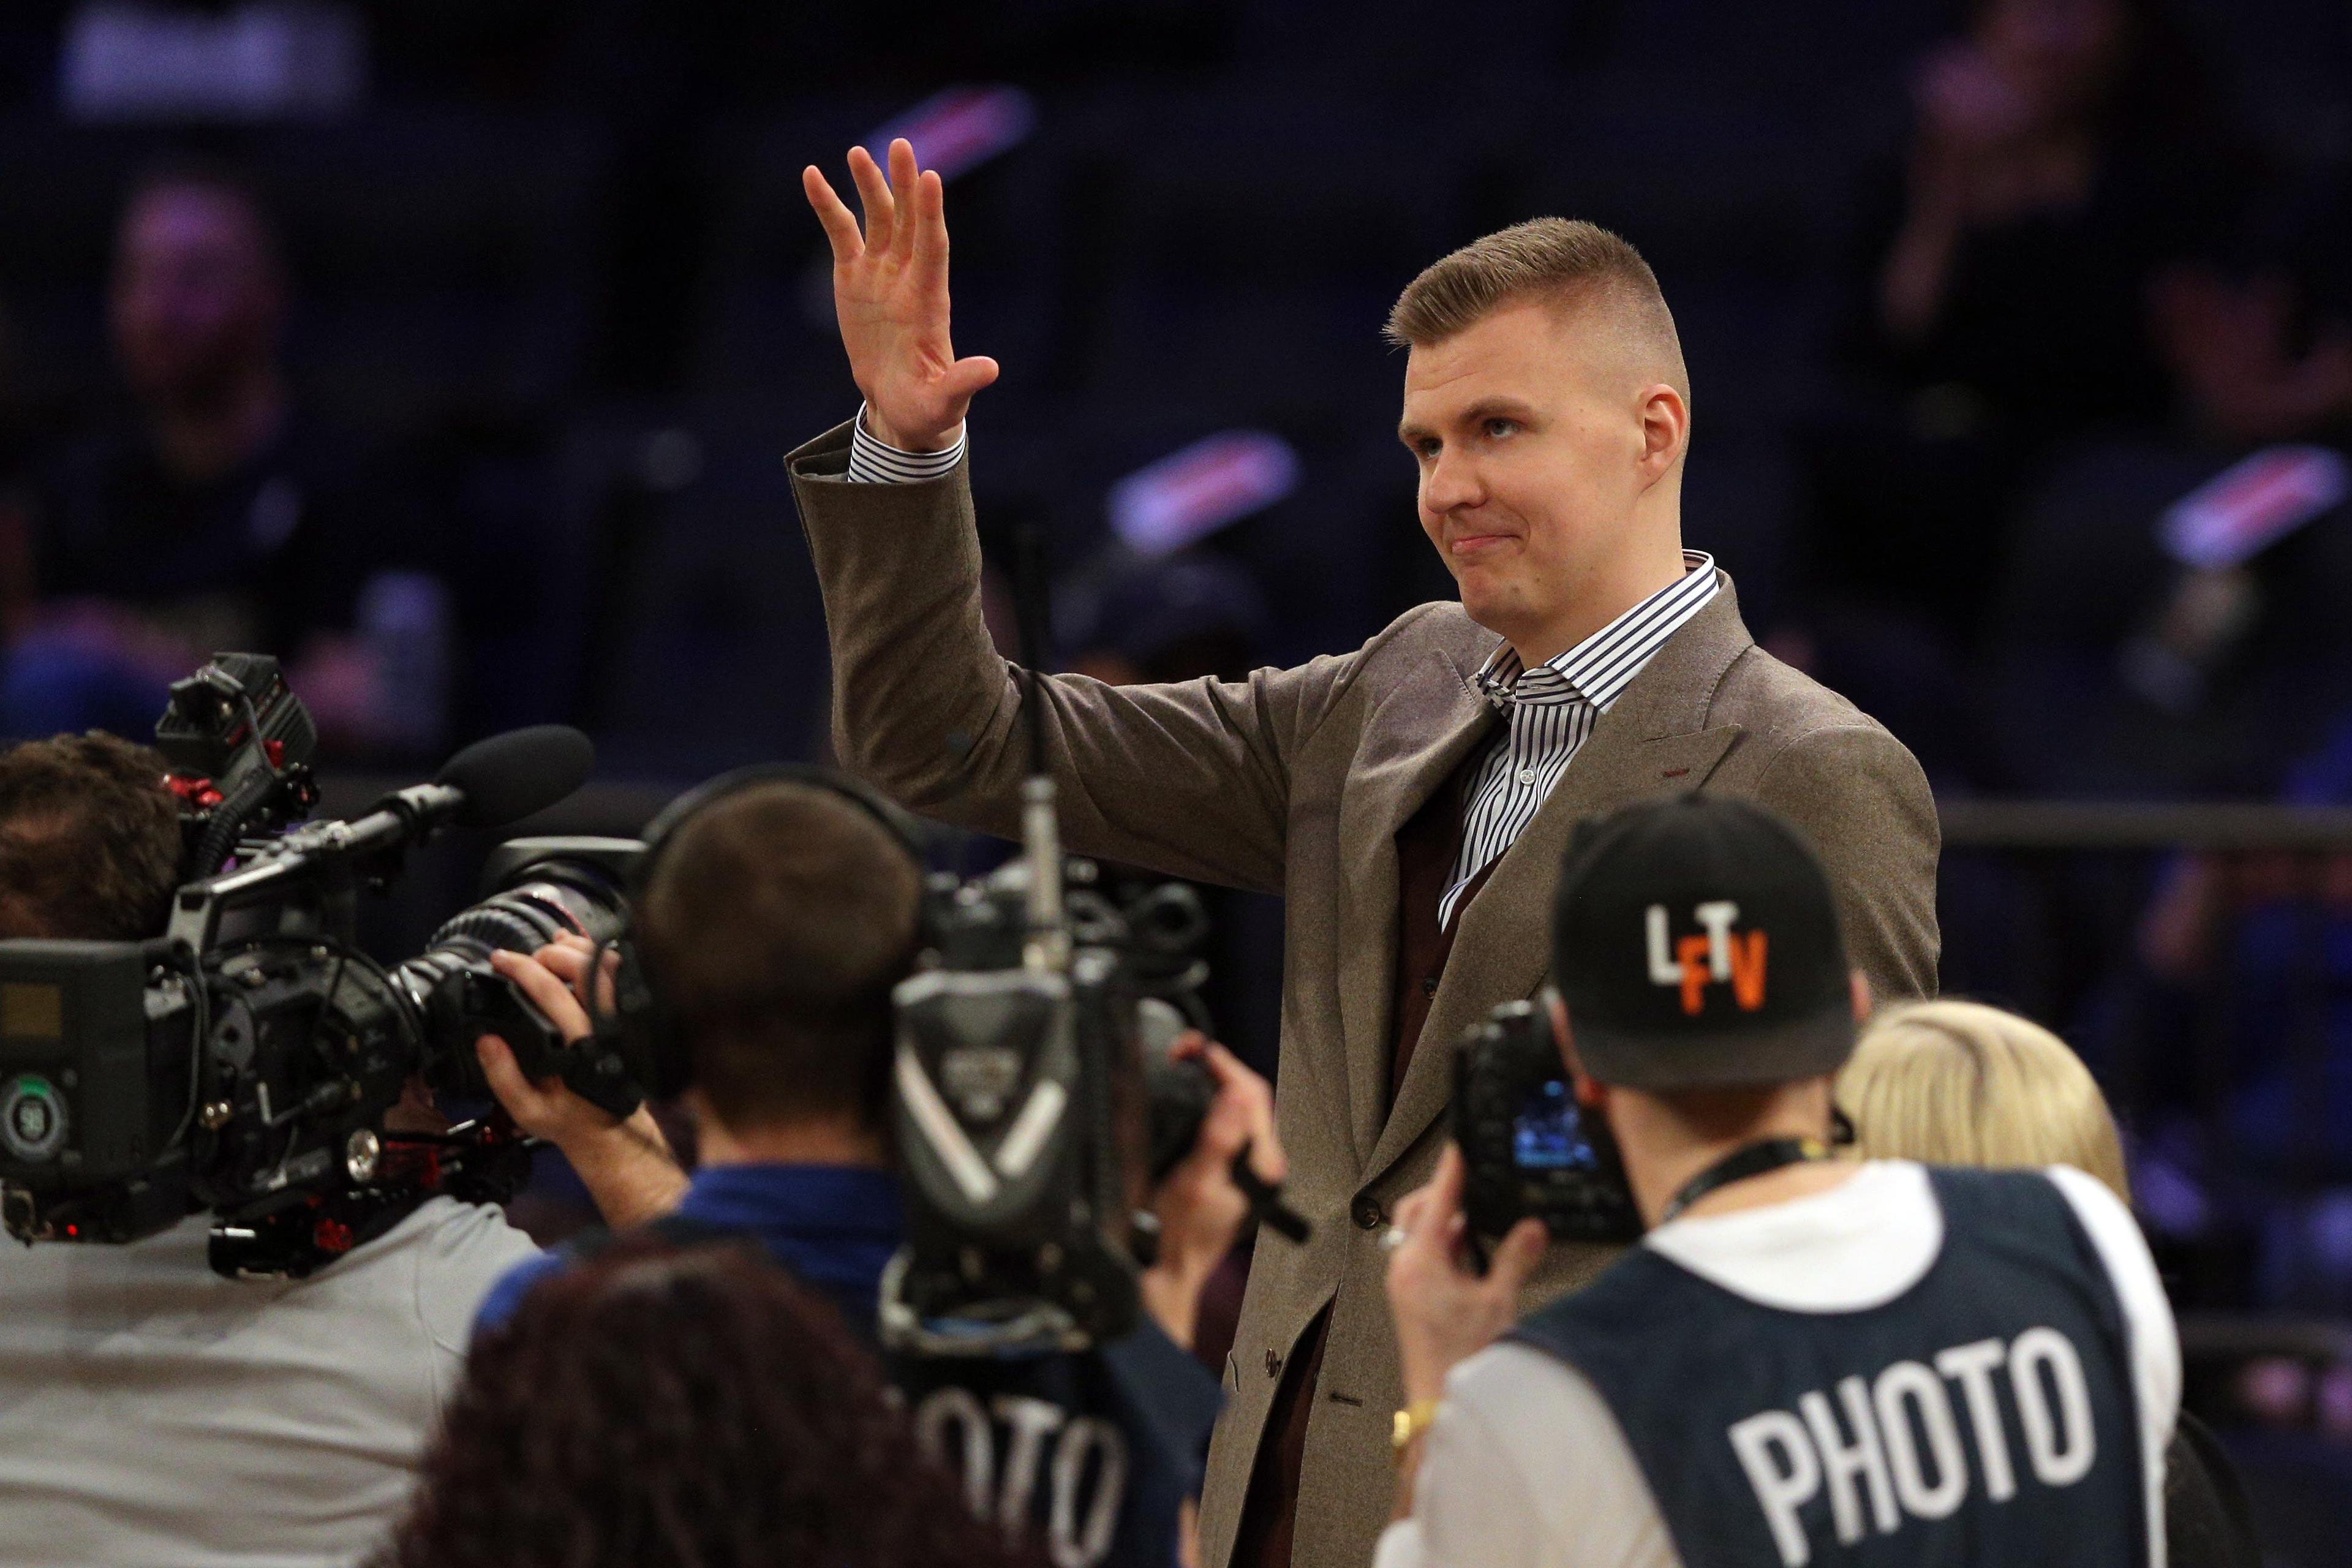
1718, 956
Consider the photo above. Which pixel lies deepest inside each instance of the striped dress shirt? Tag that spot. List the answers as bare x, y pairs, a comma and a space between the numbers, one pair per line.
873, 463
1551, 710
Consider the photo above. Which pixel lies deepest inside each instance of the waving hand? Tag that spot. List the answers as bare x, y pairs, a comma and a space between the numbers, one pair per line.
890, 296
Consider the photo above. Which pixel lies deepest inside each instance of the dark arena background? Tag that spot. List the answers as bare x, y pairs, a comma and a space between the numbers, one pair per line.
2057, 490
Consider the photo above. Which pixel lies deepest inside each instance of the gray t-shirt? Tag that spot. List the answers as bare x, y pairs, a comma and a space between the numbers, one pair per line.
153, 1413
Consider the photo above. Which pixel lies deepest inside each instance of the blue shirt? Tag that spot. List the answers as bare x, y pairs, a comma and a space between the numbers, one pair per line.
833, 1226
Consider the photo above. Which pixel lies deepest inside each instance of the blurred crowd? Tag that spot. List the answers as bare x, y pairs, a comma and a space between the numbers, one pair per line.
2083, 290
476, 378
467, 395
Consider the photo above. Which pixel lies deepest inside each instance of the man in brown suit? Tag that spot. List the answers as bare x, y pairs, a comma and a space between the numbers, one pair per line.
1411, 798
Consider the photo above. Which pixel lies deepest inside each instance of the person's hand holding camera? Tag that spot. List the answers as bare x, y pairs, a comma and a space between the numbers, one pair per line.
1200, 1209
626, 1164
1445, 1311
890, 295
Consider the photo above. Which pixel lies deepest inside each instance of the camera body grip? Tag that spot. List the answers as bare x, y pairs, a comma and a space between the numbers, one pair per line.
1529, 1149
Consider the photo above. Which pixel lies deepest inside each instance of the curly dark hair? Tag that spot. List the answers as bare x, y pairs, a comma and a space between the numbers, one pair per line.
89, 839
664, 1407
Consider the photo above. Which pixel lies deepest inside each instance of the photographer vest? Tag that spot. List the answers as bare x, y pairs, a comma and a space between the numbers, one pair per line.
1984, 1416
1095, 1452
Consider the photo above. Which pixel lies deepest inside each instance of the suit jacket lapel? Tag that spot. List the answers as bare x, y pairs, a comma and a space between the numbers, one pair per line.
1651, 741
1381, 796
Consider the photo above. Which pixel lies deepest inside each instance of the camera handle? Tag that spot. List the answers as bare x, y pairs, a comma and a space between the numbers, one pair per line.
591, 1068
1266, 1200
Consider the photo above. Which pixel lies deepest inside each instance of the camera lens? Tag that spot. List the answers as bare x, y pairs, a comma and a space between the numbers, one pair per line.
549, 898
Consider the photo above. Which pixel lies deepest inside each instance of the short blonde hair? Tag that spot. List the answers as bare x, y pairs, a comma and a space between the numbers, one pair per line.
1959, 1083
1545, 258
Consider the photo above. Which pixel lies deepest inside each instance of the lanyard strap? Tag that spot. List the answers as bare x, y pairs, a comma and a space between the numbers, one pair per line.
1749, 1160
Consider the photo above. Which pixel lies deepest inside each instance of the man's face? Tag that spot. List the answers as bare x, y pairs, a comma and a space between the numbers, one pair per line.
1529, 430
196, 295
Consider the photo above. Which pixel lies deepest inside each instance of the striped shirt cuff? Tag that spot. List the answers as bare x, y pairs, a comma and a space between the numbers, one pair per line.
873, 462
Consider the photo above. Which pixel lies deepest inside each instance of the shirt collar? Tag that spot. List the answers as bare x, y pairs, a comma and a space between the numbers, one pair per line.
837, 1200
1598, 669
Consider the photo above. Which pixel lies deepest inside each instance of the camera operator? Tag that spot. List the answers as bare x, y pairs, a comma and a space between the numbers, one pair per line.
1809, 1360
775, 922
151, 1410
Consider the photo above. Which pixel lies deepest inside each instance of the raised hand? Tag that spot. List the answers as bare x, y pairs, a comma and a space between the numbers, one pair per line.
890, 296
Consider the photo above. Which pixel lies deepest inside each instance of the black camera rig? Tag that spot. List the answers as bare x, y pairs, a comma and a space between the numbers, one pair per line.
246, 1060
1034, 1099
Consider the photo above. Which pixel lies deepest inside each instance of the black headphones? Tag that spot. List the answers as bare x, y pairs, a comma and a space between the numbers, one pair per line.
638, 1022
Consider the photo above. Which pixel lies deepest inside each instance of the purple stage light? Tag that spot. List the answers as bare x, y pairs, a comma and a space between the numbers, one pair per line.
1189, 494
962, 128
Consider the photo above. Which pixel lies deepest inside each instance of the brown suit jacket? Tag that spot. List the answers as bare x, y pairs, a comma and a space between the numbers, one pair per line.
1296, 781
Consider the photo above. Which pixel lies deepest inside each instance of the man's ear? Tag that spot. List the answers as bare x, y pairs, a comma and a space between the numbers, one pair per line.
1862, 999
1665, 430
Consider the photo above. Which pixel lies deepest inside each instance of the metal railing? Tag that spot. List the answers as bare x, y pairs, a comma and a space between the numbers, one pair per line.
2221, 825
2229, 1040
1968, 823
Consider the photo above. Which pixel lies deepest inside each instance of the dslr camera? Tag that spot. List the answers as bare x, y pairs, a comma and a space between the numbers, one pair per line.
1529, 1150
243, 1061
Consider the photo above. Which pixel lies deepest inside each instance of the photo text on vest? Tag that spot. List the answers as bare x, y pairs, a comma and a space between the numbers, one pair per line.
1911, 1443
1020, 1458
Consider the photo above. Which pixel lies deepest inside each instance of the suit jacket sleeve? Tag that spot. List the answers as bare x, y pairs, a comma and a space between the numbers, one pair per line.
1859, 797
1190, 779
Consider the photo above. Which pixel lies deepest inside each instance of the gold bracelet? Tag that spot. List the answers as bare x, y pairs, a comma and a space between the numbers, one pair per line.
1410, 1423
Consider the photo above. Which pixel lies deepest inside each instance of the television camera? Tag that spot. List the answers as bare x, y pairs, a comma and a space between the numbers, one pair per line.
245, 1061
1034, 1099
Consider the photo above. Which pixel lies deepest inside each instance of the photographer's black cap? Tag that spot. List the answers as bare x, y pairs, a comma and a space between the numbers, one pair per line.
1696, 943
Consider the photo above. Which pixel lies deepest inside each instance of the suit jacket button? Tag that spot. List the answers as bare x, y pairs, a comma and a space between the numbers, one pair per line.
1367, 1215
1273, 1364
1429, 985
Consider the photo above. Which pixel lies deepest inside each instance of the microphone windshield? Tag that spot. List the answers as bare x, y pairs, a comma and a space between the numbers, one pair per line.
507, 777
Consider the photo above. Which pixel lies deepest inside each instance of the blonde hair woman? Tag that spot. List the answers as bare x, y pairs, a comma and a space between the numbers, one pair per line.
1959, 1083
